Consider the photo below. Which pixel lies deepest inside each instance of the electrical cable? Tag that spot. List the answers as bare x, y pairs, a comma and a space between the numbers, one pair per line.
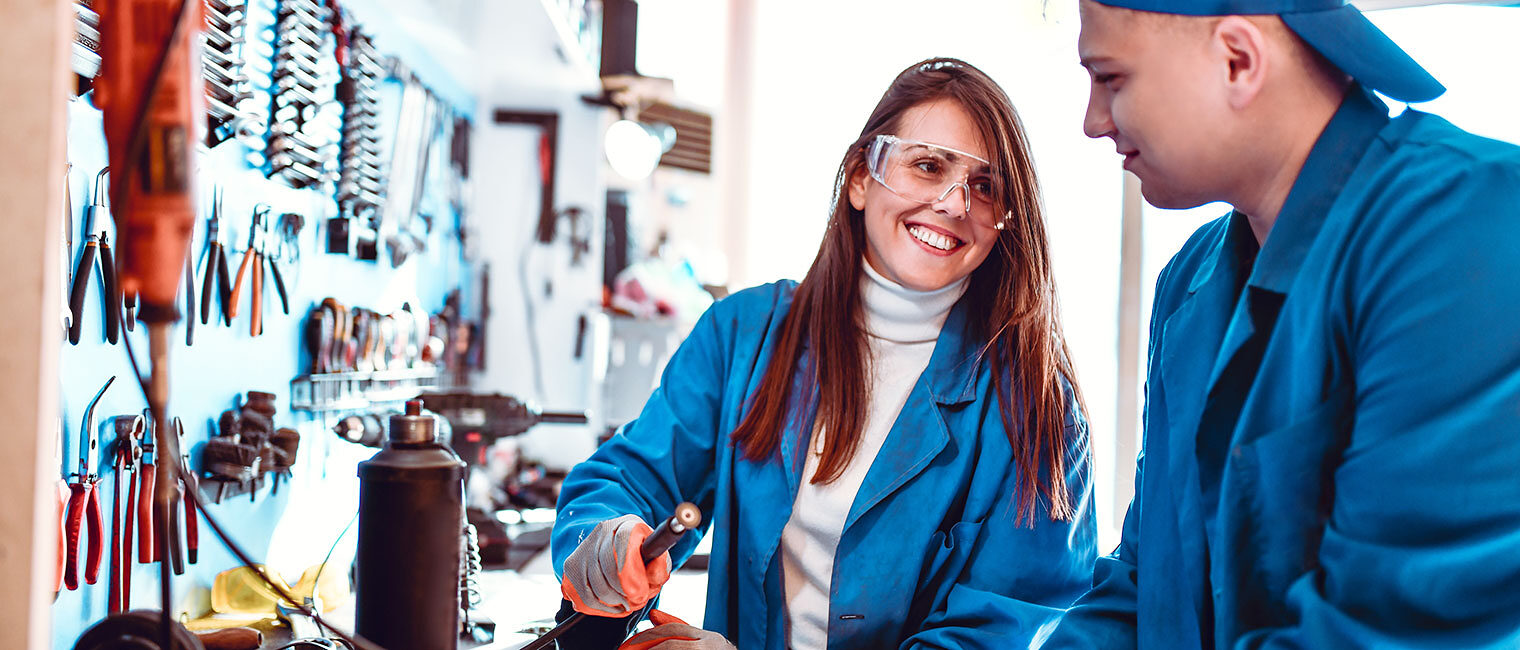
134, 153
355, 641
531, 320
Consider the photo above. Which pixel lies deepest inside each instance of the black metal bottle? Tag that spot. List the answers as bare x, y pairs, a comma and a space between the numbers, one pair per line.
411, 516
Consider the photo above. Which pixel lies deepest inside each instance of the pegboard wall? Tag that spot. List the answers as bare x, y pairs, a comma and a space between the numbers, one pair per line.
292, 526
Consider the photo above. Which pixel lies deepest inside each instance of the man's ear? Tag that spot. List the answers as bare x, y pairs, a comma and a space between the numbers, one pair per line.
855, 186
1242, 45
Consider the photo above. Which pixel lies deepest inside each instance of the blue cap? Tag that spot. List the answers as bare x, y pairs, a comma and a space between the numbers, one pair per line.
1334, 28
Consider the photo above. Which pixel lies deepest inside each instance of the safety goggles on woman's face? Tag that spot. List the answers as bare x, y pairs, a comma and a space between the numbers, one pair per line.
929, 173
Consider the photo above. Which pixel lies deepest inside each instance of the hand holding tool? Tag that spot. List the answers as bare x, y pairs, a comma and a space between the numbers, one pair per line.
670, 628
84, 504
605, 575
653, 547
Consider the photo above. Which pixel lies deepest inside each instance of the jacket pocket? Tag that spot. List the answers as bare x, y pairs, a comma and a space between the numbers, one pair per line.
1284, 489
945, 559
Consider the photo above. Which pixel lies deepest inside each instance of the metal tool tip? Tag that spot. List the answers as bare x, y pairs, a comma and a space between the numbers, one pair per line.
688, 514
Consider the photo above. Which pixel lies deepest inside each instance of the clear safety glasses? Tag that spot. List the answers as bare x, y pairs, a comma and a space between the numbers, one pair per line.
930, 173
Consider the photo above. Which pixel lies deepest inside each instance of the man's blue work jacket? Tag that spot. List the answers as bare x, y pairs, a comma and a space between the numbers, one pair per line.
1332, 425
932, 554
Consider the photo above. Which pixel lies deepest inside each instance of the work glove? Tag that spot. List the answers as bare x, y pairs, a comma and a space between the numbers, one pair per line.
671, 633
605, 576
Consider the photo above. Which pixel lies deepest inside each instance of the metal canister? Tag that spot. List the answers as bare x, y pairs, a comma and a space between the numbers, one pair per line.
411, 517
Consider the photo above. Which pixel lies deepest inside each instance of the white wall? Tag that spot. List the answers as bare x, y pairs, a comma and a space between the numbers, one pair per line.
521, 65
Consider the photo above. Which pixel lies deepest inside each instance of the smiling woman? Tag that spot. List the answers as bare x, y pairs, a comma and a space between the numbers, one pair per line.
894, 445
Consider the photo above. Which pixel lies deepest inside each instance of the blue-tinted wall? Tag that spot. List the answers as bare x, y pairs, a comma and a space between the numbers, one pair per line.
295, 527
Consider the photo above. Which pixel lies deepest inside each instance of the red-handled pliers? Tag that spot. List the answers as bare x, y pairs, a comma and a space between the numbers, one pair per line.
84, 504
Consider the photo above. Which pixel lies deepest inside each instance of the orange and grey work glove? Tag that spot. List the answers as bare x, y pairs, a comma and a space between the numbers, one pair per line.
671, 633
605, 576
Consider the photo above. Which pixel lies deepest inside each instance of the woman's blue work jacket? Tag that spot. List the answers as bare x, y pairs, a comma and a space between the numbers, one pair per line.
932, 554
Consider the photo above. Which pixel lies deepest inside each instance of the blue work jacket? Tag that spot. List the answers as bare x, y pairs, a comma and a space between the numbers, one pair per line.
931, 554
1332, 424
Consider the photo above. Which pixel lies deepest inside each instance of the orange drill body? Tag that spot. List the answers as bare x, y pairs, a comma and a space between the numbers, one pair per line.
152, 192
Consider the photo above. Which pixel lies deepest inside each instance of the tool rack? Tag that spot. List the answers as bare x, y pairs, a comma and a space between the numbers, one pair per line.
347, 391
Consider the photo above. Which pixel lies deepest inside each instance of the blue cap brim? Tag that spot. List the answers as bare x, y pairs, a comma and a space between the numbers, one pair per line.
1356, 46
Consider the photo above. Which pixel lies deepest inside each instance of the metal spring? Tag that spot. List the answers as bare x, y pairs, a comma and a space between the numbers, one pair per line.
473, 566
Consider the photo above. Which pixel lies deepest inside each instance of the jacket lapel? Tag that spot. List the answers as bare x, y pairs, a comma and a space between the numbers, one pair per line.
919, 434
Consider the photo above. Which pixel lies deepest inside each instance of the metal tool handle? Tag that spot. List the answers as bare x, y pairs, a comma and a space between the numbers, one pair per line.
209, 281
192, 529
224, 283
687, 516
256, 322
109, 295
63, 532
237, 285
571, 417
72, 522
176, 551
81, 283
145, 514
128, 519
97, 529
279, 285
189, 297
113, 591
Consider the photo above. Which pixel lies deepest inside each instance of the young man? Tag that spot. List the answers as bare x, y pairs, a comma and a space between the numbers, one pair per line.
1332, 426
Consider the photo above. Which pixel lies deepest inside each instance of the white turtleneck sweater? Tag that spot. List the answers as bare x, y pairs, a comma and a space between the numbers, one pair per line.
903, 326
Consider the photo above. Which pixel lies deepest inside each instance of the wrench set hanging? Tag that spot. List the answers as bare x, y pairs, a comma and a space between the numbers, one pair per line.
233, 107
361, 188
302, 132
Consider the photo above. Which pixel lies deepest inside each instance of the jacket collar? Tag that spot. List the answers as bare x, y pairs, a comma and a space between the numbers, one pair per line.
957, 359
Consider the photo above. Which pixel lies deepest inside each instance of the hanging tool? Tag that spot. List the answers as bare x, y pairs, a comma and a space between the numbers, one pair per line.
68, 248
87, 264
147, 531
687, 516
189, 297
129, 306
84, 504
216, 273
272, 263
249, 256
129, 429
133, 459
190, 484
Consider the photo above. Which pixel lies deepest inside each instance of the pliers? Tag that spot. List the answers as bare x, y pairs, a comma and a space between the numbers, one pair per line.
254, 255
187, 522
107, 268
217, 274
272, 263
129, 432
84, 504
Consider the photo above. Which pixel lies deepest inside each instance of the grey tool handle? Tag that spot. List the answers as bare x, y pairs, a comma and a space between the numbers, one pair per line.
687, 516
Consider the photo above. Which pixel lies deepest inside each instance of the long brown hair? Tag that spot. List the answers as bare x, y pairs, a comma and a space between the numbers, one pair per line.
1011, 297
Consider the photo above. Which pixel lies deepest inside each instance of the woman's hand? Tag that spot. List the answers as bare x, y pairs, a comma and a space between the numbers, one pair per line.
605, 576
671, 633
